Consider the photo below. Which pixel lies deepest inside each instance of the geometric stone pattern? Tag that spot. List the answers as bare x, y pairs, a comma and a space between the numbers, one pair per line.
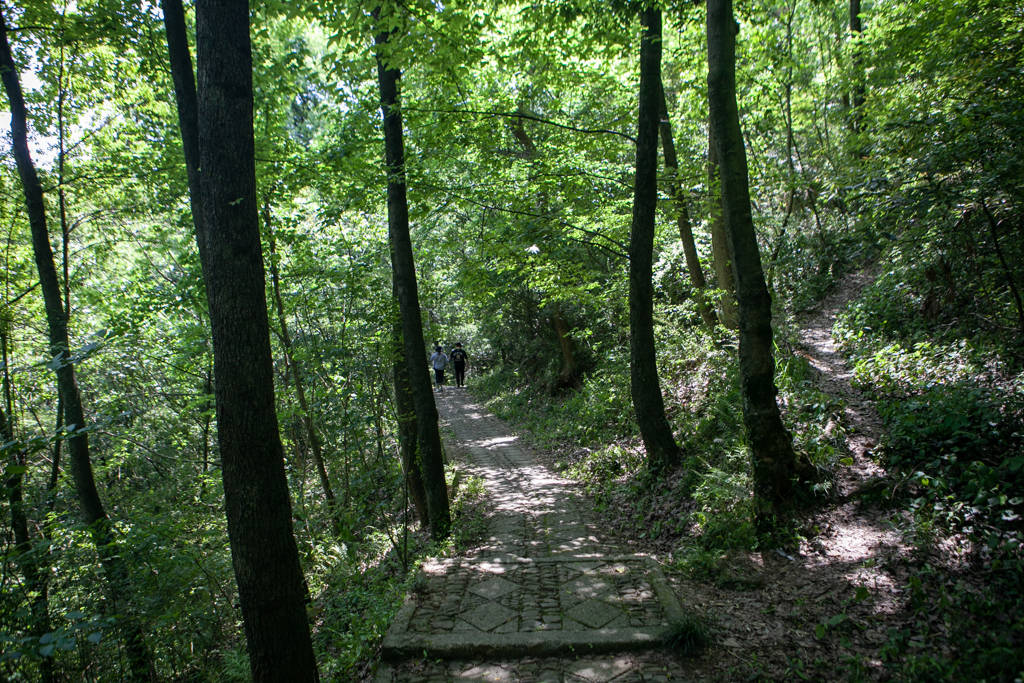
543, 597
629, 667
540, 593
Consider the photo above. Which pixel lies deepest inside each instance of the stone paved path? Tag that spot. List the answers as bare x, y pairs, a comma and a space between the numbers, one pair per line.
544, 597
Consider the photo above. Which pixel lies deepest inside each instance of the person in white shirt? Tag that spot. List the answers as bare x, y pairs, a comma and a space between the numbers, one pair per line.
438, 361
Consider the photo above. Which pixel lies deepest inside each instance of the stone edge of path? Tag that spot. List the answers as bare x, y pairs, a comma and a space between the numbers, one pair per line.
398, 644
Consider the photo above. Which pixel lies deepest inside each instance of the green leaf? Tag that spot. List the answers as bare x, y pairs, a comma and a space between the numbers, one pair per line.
12, 470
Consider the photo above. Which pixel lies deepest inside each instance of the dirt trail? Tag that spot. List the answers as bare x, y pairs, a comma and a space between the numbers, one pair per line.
850, 531
825, 611
834, 378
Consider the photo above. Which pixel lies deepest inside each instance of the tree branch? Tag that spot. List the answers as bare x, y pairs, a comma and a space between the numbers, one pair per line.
523, 116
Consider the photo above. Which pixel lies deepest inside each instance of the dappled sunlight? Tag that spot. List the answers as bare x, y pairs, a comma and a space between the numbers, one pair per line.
534, 511
856, 540
495, 441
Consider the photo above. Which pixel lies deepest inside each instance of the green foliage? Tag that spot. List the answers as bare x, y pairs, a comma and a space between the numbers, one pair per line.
949, 393
469, 508
982, 630
599, 413
355, 604
943, 180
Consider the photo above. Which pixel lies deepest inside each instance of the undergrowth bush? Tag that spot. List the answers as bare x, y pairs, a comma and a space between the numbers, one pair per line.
950, 394
954, 421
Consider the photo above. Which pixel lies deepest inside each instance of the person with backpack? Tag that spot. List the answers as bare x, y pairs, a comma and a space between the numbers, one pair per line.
459, 356
438, 361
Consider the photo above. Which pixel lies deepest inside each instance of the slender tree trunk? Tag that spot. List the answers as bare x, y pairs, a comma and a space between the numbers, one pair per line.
790, 142
568, 376
405, 413
271, 587
775, 464
668, 148
648, 404
206, 424
180, 60
300, 392
1011, 283
727, 313
403, 268
857, 90
62, 203
139, 657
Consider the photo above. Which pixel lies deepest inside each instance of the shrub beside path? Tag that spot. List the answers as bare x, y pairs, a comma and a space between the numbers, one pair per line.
544, 596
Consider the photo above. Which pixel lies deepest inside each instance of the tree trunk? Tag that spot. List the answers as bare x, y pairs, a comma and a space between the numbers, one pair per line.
568, 376
727, 313
185, 96
271, 588
300, 392
33, 564
668, 148
648, 404
857, 90
774, 462
180, 60
403, 268
405, 414
1011, 283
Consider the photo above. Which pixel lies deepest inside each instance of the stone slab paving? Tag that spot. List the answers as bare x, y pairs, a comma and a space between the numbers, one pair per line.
543, 597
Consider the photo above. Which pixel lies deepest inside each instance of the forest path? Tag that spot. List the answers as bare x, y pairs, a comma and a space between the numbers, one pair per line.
834, 377
857, 542
850, 530
543, 596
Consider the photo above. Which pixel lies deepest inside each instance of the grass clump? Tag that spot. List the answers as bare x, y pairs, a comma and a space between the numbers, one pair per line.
688, 635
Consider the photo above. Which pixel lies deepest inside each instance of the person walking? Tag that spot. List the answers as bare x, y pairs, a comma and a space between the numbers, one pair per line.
438, 361
459, 357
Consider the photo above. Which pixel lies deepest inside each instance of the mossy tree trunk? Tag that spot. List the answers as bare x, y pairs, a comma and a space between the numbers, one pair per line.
721, 259
774, 461
405, 415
